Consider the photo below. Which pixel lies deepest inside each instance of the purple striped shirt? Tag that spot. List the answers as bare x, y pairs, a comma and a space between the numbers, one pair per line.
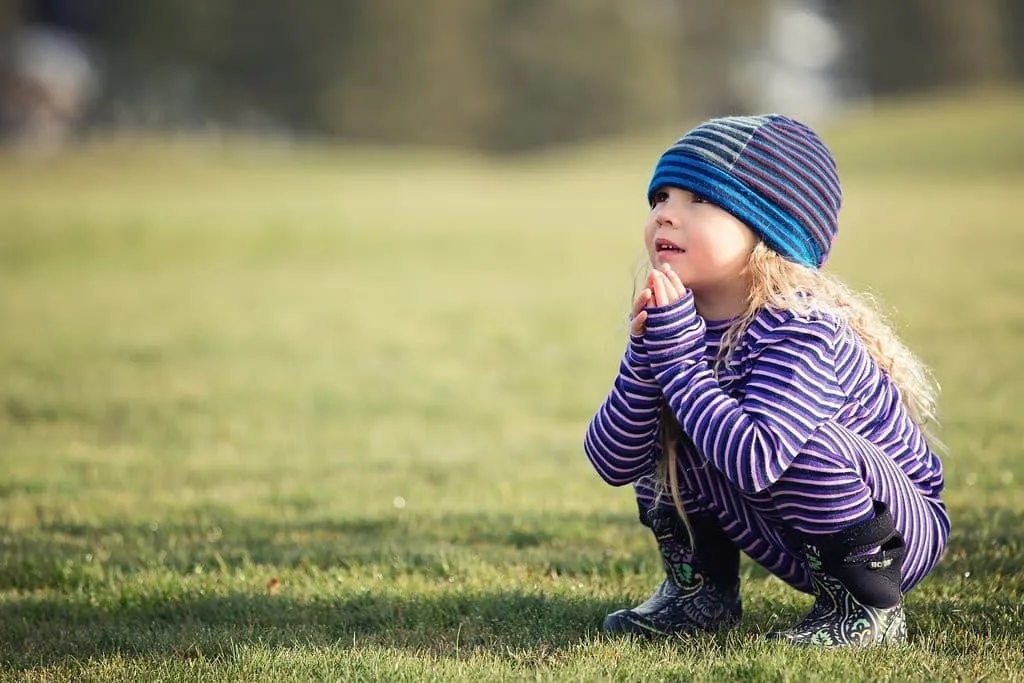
787, 377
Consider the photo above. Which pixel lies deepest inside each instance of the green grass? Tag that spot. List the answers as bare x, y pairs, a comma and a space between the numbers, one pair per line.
221, 366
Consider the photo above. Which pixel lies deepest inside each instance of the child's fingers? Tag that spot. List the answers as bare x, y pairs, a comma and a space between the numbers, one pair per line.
658, 281
642, 301
673, 277
668, 290
639, 323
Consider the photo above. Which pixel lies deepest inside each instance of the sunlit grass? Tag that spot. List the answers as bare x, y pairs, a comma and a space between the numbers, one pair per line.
369, 380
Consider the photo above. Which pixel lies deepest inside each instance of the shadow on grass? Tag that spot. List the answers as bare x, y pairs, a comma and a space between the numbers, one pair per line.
975, 590
41, 632
143, 617
67, 556
61, 555
505, 625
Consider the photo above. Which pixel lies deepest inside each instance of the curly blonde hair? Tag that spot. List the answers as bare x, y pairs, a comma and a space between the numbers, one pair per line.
781, 284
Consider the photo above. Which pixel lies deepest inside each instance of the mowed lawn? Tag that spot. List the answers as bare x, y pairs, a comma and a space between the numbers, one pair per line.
272, 414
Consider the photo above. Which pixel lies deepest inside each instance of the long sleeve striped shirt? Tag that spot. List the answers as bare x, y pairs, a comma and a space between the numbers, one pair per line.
787, 377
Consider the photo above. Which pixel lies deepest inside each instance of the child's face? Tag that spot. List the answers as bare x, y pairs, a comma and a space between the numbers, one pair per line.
707, 246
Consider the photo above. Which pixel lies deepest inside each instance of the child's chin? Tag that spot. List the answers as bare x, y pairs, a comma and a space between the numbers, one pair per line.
672, 258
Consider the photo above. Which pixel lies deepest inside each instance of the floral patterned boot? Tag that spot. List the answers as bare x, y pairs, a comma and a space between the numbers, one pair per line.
856, 584
701, 591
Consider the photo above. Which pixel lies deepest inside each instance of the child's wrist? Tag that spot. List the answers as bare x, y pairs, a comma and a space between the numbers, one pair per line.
636, 359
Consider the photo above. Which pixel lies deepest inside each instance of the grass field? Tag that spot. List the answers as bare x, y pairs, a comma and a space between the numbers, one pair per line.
308, 414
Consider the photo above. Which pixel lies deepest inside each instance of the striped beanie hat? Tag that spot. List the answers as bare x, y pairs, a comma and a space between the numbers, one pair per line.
771, 172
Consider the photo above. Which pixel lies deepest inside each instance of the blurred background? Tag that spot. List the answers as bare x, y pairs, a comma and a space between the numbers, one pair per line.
501, 76
326, 292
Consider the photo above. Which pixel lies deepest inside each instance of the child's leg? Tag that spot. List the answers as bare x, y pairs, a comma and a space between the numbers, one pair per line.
648, 502
829, 487
868, 535
844, 522
750, 521
832, 486
700, 591
715, 553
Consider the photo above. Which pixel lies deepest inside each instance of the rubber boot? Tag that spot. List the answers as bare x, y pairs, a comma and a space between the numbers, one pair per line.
856, 580
701, 589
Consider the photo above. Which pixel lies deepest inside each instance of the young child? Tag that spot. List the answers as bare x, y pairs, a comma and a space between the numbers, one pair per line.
763, 407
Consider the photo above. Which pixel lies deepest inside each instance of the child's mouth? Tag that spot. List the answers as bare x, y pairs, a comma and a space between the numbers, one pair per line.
662, 246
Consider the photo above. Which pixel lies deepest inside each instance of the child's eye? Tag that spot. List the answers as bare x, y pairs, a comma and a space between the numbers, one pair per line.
659, 197
697, 199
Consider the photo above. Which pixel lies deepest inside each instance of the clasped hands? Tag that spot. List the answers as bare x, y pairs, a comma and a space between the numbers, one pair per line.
663, 288
665, 337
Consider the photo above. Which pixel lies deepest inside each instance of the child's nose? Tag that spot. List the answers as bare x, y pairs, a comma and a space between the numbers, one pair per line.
665, 216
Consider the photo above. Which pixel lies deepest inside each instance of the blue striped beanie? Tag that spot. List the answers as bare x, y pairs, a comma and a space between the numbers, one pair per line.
771, 172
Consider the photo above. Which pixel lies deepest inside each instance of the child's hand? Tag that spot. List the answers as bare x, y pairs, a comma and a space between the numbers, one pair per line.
639, 318
666, 285
673, 333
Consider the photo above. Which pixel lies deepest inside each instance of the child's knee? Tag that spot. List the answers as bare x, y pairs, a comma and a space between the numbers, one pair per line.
831, 449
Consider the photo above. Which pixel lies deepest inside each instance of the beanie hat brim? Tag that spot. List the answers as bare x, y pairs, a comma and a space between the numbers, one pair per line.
780, 231
770, 171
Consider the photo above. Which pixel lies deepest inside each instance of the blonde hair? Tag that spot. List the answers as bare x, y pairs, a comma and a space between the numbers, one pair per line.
780, 284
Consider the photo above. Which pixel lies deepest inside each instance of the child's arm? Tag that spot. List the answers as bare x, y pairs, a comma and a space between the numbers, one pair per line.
620, 441
791, 391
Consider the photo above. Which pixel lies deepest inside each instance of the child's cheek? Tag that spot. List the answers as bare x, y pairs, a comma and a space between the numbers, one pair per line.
649, 243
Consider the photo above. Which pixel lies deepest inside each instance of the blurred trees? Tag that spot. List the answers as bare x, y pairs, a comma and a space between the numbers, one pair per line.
907, 45
500, 75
